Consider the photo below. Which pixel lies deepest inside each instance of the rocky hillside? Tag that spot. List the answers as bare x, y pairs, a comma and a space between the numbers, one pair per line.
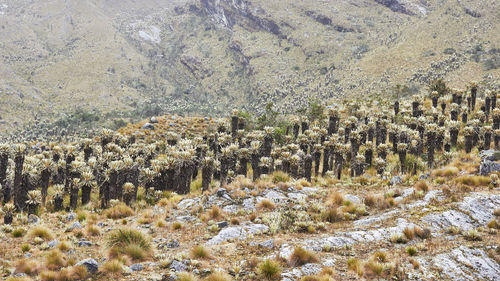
125, 59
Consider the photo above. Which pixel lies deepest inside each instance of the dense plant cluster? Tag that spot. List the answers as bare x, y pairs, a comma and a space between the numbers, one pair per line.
346, 142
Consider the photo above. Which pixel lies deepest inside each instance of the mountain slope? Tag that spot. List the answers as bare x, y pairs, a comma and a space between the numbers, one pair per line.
126, 59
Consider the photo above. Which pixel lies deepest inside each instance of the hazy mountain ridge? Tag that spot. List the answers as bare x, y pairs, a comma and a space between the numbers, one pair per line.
207, 56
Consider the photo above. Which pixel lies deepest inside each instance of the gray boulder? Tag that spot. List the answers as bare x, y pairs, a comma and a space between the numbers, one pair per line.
396, 180
91, 265
137, 267
487, 167
148, 126
490, 155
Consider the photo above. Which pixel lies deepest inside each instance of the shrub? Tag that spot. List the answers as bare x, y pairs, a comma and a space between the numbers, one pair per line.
41, 232
235, 221
130, 242
200, 252
269, 269
119, 211
301, 256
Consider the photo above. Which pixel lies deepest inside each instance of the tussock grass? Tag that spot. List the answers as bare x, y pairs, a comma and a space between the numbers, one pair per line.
200, 252
473, 181
266, 204
332, 215
336, 198
119, 211
300, 256
28, 266
269, 269
219, 276
449, 171
279, 176
215, 212
41, 232
422, 185
55, 260
129, 242
186, 276
113, 266
355, 265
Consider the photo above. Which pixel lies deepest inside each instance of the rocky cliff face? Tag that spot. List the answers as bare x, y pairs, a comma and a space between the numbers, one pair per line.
127, 59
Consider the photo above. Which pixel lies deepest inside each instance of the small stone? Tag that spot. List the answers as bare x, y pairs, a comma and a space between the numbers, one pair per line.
490, 155
221, 192
267, 244
424, 176
70, 217
487, 167
75, 225
32, 219
395, 180
222, 224
148, 126
153, 120
137, 267
27, 255
173, 244
53, 243
90, 264
84, 244
177, 266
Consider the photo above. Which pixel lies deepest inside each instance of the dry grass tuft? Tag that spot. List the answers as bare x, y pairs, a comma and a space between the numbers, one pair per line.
215, 212
41, 232
129, 242
119, 211
473, 181
301, 256
354, 264
113, 266
336, 198
269, 269
219, 276
27, 266
200, 252
422, 185
266, 204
